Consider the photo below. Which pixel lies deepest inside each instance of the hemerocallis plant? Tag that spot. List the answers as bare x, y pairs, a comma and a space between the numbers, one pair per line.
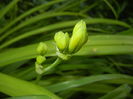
66, 46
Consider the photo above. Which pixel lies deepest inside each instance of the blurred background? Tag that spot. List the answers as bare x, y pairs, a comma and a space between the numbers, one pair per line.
25, 23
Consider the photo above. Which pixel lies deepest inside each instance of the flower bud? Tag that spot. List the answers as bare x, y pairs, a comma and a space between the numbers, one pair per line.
38, 68
42, 48
79, 37
62, 40
40, 59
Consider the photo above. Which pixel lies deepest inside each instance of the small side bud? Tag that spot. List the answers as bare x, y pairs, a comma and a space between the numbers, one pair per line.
42, 48
40, 59
62, 40
79, 37
38, 68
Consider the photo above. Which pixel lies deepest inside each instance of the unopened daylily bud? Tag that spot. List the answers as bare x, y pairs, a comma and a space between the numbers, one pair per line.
40, 59
79, 37
42, 48
38, 68
62, 40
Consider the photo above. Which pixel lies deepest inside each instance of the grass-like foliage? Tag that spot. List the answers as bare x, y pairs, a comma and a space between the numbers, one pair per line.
92, 60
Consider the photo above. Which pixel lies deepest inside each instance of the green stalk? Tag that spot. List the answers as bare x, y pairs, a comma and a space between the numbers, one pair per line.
52, 66
49, 68
38, 78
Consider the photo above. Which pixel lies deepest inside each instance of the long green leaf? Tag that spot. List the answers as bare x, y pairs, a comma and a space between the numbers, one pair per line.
43, 6
16, 87
61, 25
96, 45
7, 8
57, 9
86, 80
30, 97
119, 93
112, 8
127, 32
72, 4
36, 19
91, 88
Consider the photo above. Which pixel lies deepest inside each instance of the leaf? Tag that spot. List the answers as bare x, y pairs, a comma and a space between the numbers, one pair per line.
118, 93
30, 97
86, 80
96, 45
127, 32
112, 8
35, 19
28, 13
16, 87
61, 25
7, 8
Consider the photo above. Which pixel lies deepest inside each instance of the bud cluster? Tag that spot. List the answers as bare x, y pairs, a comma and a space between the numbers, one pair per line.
40, 59
67, 45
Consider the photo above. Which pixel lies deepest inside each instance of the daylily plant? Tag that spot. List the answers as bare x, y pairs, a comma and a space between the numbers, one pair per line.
65, 45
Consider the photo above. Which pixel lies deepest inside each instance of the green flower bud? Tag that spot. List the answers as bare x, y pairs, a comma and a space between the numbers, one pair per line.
62, 40
79, 37
38, 68
42, 48
40, 59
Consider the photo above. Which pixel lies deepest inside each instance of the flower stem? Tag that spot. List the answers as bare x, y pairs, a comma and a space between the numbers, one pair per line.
39, 76
57, 62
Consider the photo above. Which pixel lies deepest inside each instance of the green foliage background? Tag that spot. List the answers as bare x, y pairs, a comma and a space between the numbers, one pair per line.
102, 69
